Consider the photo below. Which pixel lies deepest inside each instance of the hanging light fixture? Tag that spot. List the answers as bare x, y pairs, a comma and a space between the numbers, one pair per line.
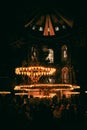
35, 72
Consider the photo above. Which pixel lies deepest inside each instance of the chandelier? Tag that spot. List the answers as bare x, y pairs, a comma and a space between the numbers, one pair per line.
35, 72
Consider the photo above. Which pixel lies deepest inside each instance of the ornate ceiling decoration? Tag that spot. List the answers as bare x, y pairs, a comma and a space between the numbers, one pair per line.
49, 23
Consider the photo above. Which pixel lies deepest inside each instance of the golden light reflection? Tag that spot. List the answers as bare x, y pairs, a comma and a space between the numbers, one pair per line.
5, 92
35, 95
35, 72
74, 93
56, 87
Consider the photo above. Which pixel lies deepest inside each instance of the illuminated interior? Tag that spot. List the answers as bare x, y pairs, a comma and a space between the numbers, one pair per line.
49, 85
48, 24
35, 72
5, 92
44, 79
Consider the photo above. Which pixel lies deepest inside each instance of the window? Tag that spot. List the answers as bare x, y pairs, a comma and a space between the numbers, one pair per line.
65, 75
64, 53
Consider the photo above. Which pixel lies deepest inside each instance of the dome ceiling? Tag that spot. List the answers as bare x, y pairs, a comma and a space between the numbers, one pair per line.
49, 23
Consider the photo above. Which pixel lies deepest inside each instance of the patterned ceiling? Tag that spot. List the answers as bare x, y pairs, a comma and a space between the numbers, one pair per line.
49, 23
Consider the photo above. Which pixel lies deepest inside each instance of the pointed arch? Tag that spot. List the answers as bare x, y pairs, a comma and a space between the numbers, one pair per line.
64, 53
65, 75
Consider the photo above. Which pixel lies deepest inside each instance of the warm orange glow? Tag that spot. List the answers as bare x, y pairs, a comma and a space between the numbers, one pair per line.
36, 95
5, 92
38, 90
72, 93
21, 94
43, 86
48, 30
76, 86
51, 27
35, 72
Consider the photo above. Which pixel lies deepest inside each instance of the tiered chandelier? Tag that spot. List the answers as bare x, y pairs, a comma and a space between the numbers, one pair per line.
35, 72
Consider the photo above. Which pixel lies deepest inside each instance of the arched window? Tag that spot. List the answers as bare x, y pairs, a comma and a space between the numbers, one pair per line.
64, 54
50, 56
65, 75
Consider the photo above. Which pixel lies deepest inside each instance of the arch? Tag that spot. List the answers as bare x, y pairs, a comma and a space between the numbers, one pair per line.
64, 54
65, 75
50, 56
